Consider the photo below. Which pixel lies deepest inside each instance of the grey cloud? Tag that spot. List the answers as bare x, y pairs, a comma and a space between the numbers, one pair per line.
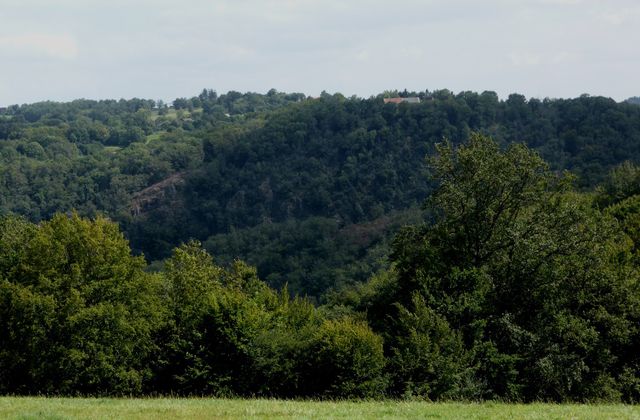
163, 49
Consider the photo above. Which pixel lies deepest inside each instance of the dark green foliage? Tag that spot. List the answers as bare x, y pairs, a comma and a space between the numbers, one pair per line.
77, 313
313, 255
622, 182
538, 284
345, 359
354, 160
428, 358
218, 166
515, 286
627, 213
230, 334
519, 288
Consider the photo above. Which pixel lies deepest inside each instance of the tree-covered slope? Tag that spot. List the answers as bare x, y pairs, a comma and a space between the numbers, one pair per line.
284, 181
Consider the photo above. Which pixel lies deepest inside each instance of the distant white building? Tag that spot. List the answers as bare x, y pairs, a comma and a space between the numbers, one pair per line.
410, 100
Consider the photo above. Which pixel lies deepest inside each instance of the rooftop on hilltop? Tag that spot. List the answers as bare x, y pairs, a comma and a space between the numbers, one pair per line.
410, 100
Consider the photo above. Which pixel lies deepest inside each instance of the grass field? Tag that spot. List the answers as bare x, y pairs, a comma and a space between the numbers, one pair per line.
167, 408
153, 137
112, 149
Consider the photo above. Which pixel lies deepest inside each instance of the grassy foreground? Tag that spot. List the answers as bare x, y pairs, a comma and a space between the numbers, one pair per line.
168, 408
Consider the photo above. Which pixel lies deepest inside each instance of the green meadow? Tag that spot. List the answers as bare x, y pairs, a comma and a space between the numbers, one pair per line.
204, 408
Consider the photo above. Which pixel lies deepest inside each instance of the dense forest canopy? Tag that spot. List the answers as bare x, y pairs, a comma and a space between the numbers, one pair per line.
511, 284
325, 181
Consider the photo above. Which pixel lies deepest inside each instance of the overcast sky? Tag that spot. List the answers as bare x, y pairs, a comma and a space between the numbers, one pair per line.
158, 49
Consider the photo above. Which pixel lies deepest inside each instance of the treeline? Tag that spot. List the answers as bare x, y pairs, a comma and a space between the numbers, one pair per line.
328, 180
516, 287
80, 316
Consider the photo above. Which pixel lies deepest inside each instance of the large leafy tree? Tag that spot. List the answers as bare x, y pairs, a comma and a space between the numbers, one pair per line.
77, 310
534, 279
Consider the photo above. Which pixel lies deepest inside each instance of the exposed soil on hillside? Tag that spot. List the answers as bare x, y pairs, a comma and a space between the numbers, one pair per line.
145, 199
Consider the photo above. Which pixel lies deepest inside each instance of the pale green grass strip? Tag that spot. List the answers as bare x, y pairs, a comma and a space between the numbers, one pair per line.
203, 408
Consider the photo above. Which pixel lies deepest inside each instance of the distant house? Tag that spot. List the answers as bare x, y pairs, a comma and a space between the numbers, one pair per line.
410, 100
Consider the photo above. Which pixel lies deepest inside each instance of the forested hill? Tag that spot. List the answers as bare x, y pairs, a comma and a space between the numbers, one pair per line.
306, 189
